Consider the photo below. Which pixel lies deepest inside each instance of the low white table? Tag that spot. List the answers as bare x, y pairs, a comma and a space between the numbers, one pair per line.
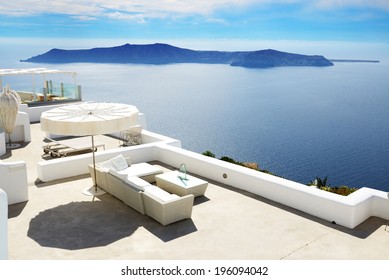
172, 183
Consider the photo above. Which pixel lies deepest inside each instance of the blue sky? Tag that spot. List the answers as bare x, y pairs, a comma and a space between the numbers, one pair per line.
350, 20
364, 21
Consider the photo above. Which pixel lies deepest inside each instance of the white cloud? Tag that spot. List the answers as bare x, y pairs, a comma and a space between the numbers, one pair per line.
217, 20
149, 8
84, 18
379, 4
35, 7
125, 16
140, 10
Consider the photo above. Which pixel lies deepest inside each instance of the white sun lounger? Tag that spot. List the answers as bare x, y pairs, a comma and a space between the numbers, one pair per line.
72, 146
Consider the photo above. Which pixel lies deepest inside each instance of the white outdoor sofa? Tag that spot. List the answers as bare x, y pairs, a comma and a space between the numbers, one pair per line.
131, 184
167, 208
143, 170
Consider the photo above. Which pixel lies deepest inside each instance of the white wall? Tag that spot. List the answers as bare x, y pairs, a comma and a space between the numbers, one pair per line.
3, 226
14, 181
348, 211
3, 148
22, 130
152, 137
35, 112
77, 165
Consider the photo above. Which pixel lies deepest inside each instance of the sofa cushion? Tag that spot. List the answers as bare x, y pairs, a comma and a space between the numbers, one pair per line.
120, 175
119, 162
137, 182
160, 193
137, 169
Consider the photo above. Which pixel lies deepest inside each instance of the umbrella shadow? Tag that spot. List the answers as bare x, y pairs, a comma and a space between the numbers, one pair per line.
80, 225
172, 231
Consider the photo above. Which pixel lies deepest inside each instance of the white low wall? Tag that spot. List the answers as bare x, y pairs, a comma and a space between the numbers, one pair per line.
3, 226
22, 130
77, 165
348, 211
35, 112
3, 148
14, 181
152, 137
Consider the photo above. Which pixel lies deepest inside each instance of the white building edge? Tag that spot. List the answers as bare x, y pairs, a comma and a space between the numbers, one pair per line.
348, 211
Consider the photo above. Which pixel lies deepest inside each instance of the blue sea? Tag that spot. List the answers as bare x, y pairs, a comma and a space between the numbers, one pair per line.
297, 122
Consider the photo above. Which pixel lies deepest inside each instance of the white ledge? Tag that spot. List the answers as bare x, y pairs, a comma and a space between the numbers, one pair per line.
348, 211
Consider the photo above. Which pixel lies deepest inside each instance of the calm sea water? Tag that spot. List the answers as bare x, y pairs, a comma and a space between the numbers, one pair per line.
299, 123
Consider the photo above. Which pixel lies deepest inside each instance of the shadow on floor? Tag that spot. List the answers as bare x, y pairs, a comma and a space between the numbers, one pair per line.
85, 224
39, 184
170, 232
16, 209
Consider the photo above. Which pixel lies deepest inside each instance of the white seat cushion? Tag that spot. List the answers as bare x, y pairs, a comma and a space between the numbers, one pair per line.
139, 170
137, 183
120, 175
160, 193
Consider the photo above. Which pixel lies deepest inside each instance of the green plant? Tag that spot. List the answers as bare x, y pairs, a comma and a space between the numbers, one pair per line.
344, 190
250, 165
209, 154
322, 185
319, 183
228, 159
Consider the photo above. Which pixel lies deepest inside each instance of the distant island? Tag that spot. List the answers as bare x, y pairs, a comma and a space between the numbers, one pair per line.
166, 54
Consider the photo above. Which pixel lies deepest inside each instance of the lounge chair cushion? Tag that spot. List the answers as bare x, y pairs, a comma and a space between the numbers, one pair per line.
160, 193
119, 162
137, 182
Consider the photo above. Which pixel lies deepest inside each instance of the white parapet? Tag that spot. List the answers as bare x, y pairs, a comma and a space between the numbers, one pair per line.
3, 225
348, 211
3, 148
22, 130
77, 165
14, 181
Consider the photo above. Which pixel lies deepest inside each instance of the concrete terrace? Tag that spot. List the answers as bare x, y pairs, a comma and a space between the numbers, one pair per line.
59, 222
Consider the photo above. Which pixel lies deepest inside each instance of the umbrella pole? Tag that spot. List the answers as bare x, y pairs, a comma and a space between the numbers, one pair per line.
94, 163
94, 190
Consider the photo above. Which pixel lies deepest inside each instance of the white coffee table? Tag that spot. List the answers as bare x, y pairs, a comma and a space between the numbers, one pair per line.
172, 183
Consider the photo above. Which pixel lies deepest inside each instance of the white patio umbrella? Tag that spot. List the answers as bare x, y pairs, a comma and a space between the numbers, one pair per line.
9, 107
89, 119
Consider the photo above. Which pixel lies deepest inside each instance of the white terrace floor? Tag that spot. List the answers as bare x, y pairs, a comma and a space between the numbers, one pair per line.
59, 222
